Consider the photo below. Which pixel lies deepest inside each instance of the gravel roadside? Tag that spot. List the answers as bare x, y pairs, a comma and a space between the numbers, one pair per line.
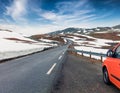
79, 75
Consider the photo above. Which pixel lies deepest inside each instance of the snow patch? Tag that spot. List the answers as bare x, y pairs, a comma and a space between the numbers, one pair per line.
91, 49
14, 48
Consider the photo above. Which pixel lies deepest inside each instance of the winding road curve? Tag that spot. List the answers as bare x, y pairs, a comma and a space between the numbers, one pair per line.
32, 74
36, 73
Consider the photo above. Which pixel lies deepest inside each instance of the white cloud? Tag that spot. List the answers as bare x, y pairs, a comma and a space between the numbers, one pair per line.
107, 2
99, 17
1, 20
49, 15
76, 13
28, 30
72, 6
82, 18
69, 12
17, 9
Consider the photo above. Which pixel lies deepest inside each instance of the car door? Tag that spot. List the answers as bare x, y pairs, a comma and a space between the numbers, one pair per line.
115, 67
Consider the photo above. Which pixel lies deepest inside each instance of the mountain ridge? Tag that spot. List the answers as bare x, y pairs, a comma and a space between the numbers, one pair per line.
85, 30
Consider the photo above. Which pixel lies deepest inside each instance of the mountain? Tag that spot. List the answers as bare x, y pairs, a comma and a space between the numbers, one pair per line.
116, 27
64, 31
81, 30
85, 30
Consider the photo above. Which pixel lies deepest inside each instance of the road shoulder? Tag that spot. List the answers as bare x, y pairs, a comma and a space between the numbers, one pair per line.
80, 75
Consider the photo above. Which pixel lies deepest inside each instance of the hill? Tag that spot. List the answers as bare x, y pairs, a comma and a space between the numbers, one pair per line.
13, 44
85, 30
116, 27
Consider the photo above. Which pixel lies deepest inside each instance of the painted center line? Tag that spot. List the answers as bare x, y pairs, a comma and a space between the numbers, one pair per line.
63, 53
60, 57
50, 70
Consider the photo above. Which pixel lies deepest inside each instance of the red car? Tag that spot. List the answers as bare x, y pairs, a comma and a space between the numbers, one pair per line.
111, 67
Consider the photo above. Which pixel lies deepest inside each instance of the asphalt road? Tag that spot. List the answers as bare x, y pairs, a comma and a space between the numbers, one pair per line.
32, 74
82, 76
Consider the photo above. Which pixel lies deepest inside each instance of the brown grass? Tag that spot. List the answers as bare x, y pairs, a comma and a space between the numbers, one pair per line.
16, 39
45, 36
79, 36
109, 47
5, 30
37, 37
109, 35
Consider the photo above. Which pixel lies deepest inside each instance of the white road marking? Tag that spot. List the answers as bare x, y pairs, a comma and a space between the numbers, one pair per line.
63, 53
50, 70
59, 57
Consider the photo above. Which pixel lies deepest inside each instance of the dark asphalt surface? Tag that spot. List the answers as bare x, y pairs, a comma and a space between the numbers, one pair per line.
29, 74
82, 76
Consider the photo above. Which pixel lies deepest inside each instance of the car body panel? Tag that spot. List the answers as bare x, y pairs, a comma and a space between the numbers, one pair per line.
113, 67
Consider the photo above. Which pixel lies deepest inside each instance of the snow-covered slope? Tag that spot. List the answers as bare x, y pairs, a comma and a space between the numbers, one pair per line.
13, 44
93, 44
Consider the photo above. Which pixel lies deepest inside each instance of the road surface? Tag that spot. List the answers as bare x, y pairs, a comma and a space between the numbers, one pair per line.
36, 74
82, 76
32, 74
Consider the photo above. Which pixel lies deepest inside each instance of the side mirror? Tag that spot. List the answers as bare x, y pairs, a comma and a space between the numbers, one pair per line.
110, 53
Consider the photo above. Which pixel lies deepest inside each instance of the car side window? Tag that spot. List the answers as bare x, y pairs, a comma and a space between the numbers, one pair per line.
117, 52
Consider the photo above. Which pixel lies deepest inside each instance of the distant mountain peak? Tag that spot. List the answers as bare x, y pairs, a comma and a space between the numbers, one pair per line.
116, 27
83, 30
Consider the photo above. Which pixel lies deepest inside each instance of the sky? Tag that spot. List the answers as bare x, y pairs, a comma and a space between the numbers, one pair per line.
43, 16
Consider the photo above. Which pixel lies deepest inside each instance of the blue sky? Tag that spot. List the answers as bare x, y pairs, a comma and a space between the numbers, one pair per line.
58, 14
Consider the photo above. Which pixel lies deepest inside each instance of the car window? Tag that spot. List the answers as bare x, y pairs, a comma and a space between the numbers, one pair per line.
117, 52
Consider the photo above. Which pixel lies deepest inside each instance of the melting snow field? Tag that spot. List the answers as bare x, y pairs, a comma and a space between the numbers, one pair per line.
90, 44
13, 44
91, 49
